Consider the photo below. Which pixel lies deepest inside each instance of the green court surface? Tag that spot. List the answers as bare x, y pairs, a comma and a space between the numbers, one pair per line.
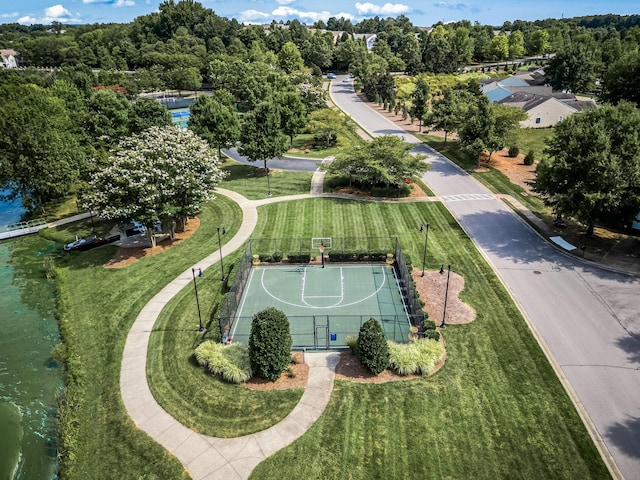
324, 305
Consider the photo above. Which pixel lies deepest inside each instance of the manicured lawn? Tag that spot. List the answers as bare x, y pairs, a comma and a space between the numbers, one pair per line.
252, 182
97, 308
534, 139
195, 398
496, 410
301, 146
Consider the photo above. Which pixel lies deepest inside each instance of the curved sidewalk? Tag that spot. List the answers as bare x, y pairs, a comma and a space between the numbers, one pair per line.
207, 457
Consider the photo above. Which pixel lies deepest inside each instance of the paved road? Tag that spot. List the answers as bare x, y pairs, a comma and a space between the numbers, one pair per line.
587, 317
284, 163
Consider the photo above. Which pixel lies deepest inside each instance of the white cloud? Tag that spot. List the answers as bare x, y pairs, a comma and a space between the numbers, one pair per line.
9, 15
252, 15
312, 16
55, 13
115, 3
285, 2
386, 9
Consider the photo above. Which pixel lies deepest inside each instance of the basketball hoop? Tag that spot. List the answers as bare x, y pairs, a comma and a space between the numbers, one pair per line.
321, 248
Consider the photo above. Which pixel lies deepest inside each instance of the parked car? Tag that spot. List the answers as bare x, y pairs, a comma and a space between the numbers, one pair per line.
331, 75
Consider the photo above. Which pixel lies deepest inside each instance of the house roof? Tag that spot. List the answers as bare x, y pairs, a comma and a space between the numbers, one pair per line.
4, 53
497, 94
514, 82
581, 105
527, 101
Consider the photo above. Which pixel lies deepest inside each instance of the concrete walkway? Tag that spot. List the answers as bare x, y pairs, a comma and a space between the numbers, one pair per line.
207, 457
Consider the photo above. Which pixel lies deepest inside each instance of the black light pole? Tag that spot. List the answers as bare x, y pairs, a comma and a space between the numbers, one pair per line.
93, 227
201, 329
266, 169
224, 232
446, 294
424, 227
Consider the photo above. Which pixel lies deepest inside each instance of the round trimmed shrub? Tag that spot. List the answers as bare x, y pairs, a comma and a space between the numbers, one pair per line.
528, 160
373, 350
270, 344
514, 151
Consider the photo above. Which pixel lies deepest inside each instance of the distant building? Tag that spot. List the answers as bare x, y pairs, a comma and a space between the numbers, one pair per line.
529, 92
545, 110
9, 58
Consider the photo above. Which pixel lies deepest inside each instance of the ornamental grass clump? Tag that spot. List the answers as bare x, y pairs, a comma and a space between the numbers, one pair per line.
402, 358
428, 353
231, 362
415, 358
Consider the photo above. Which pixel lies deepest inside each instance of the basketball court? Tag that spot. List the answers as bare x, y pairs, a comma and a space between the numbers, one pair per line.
325, 303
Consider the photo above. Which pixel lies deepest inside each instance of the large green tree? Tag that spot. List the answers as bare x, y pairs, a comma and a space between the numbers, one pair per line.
261, 136
289, 58
450, 112
162, 174
385, 161
146, 113
40, 158
575, 68
293, 113
593, 169
490, 127
621, 81
214, 118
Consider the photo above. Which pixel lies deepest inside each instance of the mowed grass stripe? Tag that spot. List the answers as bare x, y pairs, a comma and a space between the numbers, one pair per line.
496, 410
98, 307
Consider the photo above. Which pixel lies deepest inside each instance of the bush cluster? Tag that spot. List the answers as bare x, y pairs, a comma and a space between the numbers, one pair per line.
270, 343
267, 258
372, 347
357, 256
299, 258
514, 151
229, 361
430, 331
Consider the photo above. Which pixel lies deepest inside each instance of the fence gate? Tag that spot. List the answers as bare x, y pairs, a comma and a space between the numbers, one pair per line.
321, 332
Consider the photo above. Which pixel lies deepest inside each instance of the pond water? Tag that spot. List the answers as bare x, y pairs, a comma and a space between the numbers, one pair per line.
29, 379
10, 212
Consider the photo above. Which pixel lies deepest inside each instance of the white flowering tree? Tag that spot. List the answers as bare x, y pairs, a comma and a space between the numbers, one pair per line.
162, 174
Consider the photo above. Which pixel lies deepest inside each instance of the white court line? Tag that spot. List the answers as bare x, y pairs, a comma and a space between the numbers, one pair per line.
341, 297
307, 306
244, 299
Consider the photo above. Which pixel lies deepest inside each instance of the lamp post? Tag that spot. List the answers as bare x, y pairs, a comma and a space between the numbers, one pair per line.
424, 227
266, 169
446, 295
93, 227
224, 232
201, 329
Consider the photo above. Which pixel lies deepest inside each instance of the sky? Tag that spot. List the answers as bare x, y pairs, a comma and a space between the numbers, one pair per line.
420, 12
